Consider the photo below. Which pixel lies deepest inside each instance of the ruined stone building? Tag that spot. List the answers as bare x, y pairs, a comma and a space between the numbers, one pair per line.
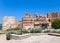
53, 16
28, 21
39, 20
8, 22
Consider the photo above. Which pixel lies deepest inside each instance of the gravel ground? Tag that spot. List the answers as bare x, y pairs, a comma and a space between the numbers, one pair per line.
32, 39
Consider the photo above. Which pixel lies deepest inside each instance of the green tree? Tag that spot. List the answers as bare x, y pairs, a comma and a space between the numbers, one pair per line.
56, 24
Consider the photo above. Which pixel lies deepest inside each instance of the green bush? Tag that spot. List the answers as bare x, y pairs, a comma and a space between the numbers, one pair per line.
56, 24
18, 32
51, 31
42, 28
24, 31
35, 30
57, 31
46, 31
8, 34
54, 31
2, 33
13, 29
12, 32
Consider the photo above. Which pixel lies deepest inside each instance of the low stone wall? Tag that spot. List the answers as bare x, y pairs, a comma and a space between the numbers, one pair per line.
16, 37
19, 37
37, 34
54, 34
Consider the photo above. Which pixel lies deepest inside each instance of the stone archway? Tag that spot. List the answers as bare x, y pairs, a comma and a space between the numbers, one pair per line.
44, 25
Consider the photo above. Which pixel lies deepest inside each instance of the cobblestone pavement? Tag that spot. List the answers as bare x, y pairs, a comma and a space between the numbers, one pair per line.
33, 39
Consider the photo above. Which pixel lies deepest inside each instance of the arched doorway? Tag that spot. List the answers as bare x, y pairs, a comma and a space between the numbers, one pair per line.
44, 25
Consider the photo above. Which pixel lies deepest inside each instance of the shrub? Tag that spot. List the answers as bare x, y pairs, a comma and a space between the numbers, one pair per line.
42, 28
13, 29
57, 30
18, 32
51, 31
24, 31
46, 31
8, 34
35, 30
56, 24
2, 33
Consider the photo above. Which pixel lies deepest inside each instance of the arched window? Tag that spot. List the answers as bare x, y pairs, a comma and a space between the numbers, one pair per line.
49, 20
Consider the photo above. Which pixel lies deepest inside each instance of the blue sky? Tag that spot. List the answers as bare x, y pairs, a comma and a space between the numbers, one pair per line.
19, 8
